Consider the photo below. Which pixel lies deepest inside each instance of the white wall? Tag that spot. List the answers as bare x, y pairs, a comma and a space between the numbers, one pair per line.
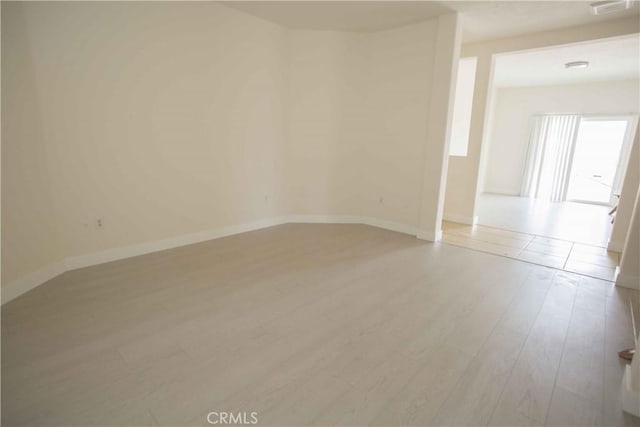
462, 106
358, 108
630, 184
327, 123
464, 174
359, 104
194, 117
515, 107
629, 271
30, 238
399, 75
173, 124
440, 123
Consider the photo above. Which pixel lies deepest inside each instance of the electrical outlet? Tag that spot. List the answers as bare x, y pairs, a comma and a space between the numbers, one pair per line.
381, 200
99, 223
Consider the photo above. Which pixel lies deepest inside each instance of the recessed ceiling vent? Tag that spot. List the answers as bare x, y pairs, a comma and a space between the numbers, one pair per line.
609, 6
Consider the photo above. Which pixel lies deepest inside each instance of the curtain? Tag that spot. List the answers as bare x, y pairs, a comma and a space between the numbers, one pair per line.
549, 157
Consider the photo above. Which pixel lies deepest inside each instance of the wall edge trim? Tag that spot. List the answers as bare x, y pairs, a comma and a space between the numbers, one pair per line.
34, 279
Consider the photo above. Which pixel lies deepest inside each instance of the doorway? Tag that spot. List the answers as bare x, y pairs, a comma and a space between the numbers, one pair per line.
577, 158
598, 160
556, 143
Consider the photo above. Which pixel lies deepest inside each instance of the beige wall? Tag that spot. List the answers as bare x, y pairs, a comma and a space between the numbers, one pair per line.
173, 124
513, 111
358, 109
629, 270
327, 121
30, 237
440, 122
400, 74
465, 173
194, 117
630, 185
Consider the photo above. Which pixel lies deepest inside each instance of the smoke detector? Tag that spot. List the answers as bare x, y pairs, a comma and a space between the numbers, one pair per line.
609, 6
577, 64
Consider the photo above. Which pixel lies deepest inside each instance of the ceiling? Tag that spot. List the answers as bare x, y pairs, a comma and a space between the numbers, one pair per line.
614, 59
483, 20
487, 20
342, 16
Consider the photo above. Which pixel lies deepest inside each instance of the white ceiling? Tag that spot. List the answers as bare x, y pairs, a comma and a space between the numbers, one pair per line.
343, 15
487, 20
615, 59
483, 20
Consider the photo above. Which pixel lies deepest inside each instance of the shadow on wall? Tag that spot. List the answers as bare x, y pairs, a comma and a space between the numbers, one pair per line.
30, 237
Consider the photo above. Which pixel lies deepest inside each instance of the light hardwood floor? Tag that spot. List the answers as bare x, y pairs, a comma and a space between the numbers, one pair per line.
317, 325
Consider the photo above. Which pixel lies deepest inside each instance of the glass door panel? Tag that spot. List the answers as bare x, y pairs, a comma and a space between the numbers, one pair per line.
596, 159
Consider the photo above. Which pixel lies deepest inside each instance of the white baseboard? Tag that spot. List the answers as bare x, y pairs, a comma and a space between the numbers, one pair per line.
32, 280
351, 219
615, 246
431, 236
501, 191
390, 225
323, 219
461, 219
81, 261
25, 284
626, 281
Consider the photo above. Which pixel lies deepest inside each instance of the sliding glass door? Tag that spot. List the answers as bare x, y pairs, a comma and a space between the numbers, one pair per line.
549, 157
577, 158
598, 155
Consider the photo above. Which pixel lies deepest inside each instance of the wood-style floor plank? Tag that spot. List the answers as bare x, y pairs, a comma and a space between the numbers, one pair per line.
526, 397
317, 325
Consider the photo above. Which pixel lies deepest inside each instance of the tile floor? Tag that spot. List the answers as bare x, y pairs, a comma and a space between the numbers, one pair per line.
590, 260
556, 220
